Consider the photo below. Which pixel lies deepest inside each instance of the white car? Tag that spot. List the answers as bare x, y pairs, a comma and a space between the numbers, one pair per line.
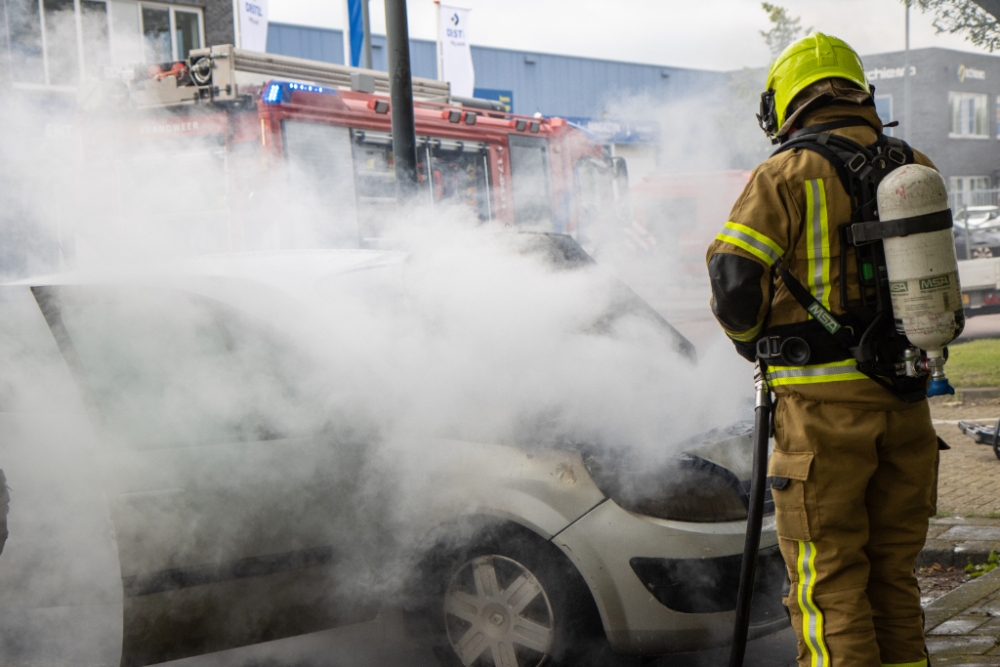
176, 490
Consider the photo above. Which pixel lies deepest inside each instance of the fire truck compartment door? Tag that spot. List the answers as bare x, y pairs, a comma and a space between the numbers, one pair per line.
321, 183
532, 181
228, 496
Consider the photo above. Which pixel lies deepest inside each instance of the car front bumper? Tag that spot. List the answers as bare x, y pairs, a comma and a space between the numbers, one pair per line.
636, 566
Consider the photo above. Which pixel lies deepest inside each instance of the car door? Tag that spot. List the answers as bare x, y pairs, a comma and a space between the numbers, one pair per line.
229, 485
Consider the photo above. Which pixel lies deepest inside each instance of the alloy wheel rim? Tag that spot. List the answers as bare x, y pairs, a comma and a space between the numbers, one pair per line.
504, 618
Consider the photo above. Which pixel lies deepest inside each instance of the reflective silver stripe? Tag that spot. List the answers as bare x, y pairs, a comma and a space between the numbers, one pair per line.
818, 235
751, 241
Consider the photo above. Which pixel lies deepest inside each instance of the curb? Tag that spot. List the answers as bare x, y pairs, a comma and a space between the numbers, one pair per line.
960, 599
978, 393
955, 557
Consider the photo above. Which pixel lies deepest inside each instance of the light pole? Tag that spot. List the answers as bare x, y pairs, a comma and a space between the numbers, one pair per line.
366, 27
404, 133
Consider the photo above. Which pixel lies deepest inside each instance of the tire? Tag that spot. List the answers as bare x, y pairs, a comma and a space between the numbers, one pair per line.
509, 598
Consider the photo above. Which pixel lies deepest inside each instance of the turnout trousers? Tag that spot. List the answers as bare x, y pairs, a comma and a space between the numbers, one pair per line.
853, 490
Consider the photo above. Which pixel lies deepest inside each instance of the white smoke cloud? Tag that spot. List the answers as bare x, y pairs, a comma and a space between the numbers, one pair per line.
468, 338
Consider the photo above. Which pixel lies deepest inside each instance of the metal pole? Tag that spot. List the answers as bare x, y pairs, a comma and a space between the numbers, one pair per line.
404, 132
367, 26
907, 108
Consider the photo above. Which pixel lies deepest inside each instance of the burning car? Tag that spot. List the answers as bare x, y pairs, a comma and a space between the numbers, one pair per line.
189, 474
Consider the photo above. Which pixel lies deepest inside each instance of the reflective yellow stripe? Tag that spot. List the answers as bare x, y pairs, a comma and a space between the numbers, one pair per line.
746, 336
918, 663
752, 241
818, 242
812, 617
837, 371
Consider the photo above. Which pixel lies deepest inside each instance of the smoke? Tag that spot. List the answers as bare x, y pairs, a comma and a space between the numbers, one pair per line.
278, 404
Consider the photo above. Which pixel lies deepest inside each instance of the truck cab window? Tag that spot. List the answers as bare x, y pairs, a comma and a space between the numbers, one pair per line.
530, 176
449, 172
460, 174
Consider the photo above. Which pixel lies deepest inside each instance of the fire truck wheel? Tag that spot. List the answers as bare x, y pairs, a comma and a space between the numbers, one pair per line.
511, 598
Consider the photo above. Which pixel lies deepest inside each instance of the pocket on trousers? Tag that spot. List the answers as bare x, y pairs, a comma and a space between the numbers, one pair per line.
789, 472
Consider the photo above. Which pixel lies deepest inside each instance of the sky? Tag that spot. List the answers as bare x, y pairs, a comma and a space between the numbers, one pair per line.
708, 34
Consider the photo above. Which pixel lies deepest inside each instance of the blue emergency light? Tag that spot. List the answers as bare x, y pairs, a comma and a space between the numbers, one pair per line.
280, 92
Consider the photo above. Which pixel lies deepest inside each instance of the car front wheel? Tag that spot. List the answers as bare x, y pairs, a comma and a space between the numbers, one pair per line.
511, 599
496, 609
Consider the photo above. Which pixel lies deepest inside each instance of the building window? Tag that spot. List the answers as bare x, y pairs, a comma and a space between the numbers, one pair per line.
59, 42
968, 115
170, 33
883, 107
968, 190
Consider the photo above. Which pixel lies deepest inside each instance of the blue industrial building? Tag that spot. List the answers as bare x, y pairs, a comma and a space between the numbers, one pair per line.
534, 82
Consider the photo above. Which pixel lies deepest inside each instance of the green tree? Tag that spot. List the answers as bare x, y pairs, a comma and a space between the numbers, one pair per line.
784, 28
979, 26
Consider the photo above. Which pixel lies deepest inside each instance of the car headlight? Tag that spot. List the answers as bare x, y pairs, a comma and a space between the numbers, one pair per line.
683, 488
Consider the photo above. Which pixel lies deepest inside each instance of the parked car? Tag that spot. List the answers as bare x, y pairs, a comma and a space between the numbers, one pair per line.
982, 226
184, 479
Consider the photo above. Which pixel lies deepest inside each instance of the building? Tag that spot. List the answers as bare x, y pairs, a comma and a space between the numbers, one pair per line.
955, 111
53, 45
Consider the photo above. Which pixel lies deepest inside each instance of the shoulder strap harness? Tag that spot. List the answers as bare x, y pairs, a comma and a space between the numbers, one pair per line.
860, 169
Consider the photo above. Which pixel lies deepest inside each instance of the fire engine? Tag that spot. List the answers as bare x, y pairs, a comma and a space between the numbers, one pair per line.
242, 150
681, 213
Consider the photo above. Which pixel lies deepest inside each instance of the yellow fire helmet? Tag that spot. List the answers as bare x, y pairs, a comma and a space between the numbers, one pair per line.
810, 59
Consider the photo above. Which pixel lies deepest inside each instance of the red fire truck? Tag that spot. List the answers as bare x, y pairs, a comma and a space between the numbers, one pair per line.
242, 150
684, 212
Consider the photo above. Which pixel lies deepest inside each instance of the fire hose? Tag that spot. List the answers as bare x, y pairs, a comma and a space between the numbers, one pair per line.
755, 518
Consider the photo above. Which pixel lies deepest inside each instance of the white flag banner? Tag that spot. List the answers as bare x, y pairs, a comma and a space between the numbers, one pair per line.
456, 54
253, 25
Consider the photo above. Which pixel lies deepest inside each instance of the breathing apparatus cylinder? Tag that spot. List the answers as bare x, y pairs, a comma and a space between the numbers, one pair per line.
922, 271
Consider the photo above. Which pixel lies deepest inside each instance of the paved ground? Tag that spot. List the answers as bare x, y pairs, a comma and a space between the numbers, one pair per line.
963, 626
969, 483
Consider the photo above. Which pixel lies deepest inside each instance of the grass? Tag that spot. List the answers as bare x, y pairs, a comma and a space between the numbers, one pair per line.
980, 569
974, 364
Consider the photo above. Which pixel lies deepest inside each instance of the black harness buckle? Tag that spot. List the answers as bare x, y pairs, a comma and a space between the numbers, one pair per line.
789, 351
856, 162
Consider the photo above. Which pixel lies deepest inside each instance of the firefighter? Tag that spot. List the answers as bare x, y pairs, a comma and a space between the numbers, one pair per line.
853, 473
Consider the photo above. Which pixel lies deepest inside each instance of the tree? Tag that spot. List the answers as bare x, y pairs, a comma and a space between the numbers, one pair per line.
784, 29
964, 16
